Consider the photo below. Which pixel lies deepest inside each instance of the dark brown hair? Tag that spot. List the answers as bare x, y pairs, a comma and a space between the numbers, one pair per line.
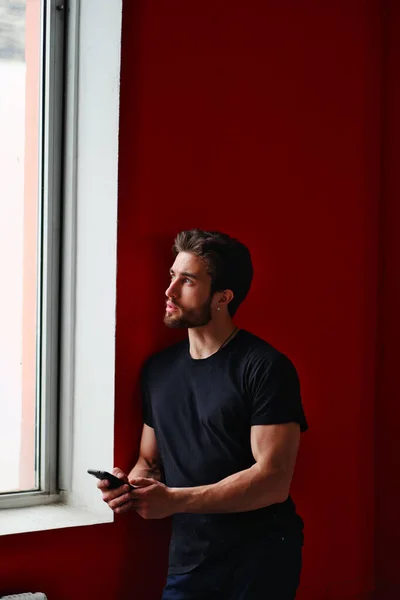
228, 261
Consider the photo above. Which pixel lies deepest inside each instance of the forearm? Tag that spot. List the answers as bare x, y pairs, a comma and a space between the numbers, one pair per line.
247, 490
146, 468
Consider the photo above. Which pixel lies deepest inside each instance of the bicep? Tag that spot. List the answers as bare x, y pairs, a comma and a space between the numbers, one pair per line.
275, 447
148, 446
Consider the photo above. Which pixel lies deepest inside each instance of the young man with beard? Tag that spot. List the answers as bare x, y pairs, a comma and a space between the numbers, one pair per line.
222, 422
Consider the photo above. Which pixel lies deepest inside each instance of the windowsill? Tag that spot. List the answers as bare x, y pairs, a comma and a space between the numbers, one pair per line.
50, 516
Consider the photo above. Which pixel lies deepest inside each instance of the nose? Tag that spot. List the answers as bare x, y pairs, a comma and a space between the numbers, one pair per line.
171, 291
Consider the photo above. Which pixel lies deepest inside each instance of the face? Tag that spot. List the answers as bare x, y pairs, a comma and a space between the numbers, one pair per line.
189, 302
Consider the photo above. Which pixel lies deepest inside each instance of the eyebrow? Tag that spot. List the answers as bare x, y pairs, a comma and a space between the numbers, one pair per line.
184, 274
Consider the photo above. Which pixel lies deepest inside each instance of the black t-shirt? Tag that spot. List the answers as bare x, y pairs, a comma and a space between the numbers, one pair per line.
202, 411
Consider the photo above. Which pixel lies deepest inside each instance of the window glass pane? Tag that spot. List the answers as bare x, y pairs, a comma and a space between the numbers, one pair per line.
19, 160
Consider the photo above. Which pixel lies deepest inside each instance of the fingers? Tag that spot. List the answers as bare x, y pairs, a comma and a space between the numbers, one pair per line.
123, 503
124, 508
119, 499
143, 481
120, 474
122, 499
109, 495
103, 484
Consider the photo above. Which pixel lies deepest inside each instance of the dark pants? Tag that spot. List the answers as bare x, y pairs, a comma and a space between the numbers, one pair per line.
267, 569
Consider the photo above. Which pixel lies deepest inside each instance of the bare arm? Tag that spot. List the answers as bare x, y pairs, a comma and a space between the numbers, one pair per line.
148, 463
267, 482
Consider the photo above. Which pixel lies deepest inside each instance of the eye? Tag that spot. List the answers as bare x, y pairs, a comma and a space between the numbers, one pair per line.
188, 280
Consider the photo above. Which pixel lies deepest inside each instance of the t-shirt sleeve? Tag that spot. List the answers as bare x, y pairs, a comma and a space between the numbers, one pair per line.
275, 393
146, 404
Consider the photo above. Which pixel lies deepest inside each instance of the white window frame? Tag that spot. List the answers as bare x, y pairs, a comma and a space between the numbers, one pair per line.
88, 287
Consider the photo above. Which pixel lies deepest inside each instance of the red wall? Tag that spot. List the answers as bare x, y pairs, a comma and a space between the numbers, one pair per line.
388, 406
262, 119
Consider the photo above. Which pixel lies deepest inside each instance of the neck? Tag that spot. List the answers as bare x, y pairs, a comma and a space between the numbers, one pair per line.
207, 340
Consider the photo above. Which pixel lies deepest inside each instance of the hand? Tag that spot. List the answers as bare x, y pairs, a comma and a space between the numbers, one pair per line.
119, 499
153, 499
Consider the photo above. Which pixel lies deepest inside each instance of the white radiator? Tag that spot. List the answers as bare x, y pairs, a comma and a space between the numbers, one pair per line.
26, 596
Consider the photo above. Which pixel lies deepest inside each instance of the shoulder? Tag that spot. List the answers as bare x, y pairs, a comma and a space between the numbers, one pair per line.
261, 357
256, 349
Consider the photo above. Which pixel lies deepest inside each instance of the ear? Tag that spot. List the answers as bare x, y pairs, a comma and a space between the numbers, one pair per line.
223, 298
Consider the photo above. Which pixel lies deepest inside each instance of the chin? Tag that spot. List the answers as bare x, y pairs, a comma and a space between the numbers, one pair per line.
173, 323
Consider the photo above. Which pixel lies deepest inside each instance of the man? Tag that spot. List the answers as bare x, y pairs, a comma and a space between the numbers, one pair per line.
222, 422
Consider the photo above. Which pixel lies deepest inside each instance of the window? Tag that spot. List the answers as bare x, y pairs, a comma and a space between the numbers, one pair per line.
31, 78
74, 390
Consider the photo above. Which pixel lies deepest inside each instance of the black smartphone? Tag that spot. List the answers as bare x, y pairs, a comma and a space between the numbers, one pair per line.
115, 482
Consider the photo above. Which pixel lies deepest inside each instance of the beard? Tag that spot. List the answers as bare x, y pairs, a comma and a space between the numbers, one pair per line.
194, 317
